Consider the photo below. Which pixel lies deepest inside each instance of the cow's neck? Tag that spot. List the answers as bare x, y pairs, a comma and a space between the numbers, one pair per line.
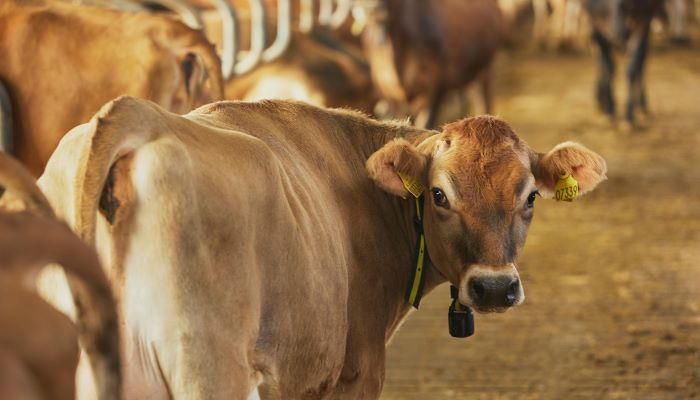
396, 272
404, 271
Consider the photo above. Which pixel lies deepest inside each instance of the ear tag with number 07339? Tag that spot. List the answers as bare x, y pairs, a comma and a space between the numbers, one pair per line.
566, 188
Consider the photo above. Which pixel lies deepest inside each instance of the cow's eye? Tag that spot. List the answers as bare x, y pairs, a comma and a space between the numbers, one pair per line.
440, 198
531, 199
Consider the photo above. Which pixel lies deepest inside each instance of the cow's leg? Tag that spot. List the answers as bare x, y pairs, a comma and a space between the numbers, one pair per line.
604, 93
635, 70
486, 90
463, 99
571, 24
433, 108
678, 20
6, 131
541, 23
363, 375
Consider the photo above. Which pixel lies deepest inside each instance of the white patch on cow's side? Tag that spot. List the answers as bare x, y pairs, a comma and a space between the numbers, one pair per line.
52, 286
254, 395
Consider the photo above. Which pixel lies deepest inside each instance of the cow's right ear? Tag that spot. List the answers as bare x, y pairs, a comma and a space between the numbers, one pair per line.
398, 157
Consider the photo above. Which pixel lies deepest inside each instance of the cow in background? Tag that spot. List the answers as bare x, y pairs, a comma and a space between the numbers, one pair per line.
61, 63
676, 16
316, 69
556, 24
420, 50
623, 24
314, 66
39, 344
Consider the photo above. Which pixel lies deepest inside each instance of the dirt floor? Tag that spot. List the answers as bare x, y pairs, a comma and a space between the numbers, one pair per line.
612, 281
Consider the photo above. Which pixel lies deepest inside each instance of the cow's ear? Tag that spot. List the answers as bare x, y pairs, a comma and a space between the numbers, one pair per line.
586, 166
396, 159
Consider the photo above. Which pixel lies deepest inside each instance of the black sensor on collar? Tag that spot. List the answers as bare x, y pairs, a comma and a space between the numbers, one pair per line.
460, 318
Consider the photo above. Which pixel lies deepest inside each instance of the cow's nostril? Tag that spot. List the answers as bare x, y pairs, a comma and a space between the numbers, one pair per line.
512, 293
477, 289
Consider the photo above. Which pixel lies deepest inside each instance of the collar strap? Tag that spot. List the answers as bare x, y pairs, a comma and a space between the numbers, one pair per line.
414, 293
460, 317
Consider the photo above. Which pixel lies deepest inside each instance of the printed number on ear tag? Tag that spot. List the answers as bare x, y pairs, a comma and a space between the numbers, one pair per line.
412, 185
566, 188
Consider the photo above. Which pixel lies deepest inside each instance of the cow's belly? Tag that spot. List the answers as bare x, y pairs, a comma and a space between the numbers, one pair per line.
307, 364
143, 377
302, 339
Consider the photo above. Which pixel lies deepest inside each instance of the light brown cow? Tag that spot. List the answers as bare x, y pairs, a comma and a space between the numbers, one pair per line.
38, 344
61, 63
251, 254
315, 69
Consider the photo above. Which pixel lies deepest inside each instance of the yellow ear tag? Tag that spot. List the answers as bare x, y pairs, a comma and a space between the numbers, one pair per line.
566, 188
358, 26
412, 185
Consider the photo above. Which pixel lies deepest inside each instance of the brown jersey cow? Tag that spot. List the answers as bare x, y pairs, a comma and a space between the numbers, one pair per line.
61, 63
419, 50
266, 247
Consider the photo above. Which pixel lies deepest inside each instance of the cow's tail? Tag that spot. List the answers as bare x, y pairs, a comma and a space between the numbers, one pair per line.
18, 183
54, 242
30, 242
119, 128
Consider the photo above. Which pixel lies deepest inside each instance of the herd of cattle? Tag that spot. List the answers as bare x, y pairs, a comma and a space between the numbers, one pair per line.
259, 249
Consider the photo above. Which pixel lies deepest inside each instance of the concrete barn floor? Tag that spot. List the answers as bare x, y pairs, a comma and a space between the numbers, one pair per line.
612, 281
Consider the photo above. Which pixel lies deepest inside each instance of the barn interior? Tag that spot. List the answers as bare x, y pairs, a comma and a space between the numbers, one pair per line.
612, 308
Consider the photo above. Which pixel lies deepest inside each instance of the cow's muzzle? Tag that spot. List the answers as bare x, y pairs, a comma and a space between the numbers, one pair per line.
491, 289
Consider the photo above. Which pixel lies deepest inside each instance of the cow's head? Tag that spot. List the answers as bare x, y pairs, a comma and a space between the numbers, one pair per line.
481, 184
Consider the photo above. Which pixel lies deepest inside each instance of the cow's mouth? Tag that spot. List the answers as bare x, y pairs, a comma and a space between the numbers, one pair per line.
490, 310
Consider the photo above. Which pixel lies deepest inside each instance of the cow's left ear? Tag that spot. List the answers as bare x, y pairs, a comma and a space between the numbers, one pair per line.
394, 158
586, 166
190, 71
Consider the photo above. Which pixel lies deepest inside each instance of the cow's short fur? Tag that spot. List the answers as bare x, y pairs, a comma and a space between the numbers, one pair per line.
250, 249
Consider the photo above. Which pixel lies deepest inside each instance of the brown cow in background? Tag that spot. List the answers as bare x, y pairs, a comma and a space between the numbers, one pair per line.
622, 24
419, 50
61, 63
